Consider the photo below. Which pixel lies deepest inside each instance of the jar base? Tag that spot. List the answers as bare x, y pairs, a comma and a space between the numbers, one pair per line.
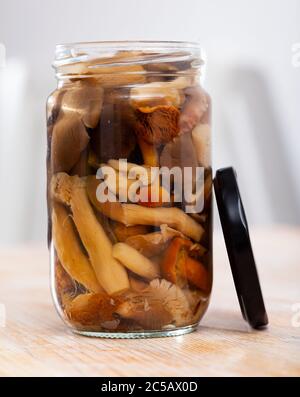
139, 334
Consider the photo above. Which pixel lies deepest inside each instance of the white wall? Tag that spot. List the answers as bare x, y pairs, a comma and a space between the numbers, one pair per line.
247, 39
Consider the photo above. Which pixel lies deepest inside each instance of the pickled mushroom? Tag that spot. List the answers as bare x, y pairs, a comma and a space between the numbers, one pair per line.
201, 136
114, 137
149, 153
135, 261
93, 310
85, 98
81, 168
132, 214
194, 108
63, 282
173, 299
154, 196
53, 108
155, 243
161, 303
179, 267
123, 232
181, 153
69, 139
70, 190
167, 93
157, 125
69, 251
137, 284
150, 315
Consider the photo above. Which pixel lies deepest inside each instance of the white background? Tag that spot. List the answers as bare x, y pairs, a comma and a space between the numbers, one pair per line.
255, 90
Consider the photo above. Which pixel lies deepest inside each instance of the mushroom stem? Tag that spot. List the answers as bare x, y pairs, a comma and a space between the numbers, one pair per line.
123, 232
149, 153
120, 185
201, 136
135, 261
132, 214
70, 255
160, 93
140, 172
110, 273
153, 243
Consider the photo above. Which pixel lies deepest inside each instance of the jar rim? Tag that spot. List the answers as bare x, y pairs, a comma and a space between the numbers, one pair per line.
152, 51
132, 44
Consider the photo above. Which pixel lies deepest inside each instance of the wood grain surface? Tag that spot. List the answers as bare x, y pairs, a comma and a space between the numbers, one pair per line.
35, 342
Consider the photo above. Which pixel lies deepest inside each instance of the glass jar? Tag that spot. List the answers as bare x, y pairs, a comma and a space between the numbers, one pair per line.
129, 188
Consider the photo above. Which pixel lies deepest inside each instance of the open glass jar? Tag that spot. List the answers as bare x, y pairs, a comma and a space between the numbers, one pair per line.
129, 188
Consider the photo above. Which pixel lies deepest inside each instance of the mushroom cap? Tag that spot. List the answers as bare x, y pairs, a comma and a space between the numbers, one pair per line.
69, 139
196, 106
114, 136
92, 309
86, 99
157, 125
63, 282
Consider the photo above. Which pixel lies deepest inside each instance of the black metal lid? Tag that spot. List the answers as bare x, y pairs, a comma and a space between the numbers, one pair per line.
239, 249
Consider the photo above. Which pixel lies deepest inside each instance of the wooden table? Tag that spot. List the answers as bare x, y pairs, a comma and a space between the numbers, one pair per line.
35, 342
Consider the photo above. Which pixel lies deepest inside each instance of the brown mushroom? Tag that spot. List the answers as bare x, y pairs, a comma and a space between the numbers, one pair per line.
149, 153
53, 108
181, 153
194, 108
85, 98
201, 136
157, 125
123, 232
179, 267
150, 315
69, 251
69, 139
132, 214
153, 244
137, 284
93, 310
64, 284
168, 93
114, 136
206, 118
82, 167
159, 305
173, 300
71, 191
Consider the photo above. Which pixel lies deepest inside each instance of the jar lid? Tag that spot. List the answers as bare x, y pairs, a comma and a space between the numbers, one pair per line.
239, 249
